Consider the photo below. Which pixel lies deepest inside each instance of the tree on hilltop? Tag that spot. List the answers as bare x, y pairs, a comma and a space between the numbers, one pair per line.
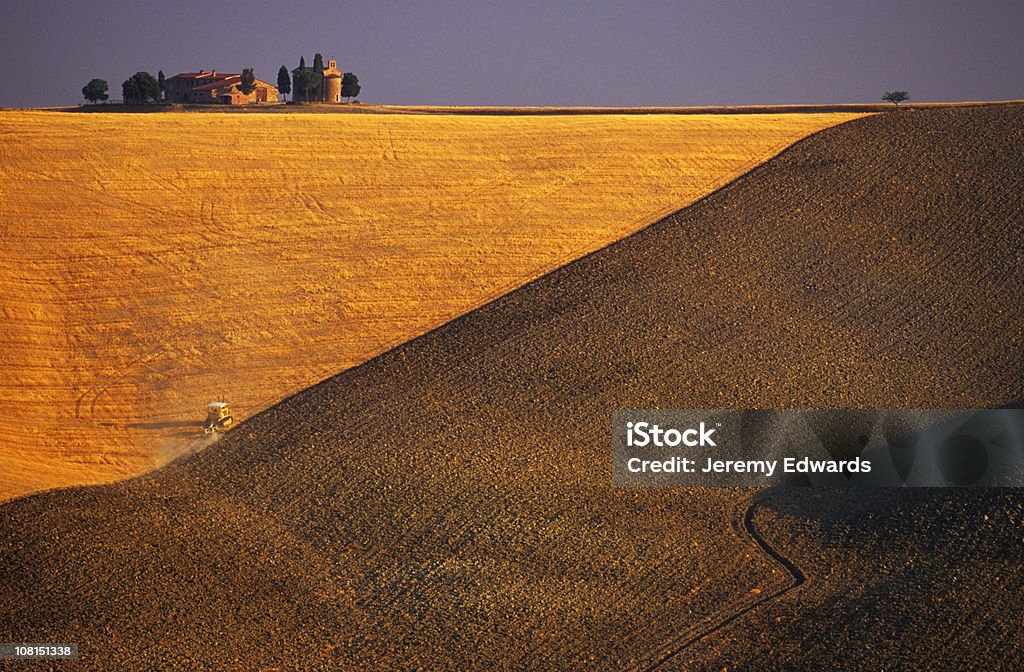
896, 97
140, 88
248, 83
302, 62
349, 85
284, 82
307, 80
96, 90
318, 66
162, 83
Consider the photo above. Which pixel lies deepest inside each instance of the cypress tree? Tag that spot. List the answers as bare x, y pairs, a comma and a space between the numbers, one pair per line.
284, 82
318, 67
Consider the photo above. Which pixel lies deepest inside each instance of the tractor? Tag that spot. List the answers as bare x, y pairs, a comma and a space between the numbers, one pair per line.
218, 417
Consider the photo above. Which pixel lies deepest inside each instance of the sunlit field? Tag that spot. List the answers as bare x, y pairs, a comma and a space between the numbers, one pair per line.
152, 263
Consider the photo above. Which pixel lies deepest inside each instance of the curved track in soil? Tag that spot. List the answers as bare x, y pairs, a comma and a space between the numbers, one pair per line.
743, 527
447, 505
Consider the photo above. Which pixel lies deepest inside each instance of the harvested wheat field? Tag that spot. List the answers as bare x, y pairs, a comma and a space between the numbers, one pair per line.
152, 263
447, 505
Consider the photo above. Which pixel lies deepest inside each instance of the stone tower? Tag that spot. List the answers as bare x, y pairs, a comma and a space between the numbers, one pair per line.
332, 83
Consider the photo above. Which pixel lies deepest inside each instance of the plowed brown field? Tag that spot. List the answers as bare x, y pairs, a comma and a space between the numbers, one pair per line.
152, 263
447, 505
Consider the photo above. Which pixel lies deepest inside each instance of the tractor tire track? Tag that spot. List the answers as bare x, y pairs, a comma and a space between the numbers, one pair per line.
744, 528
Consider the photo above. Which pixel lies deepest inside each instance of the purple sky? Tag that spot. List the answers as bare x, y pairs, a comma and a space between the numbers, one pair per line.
533, 52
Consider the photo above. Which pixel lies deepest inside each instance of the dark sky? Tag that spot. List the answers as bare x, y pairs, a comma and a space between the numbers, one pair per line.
533, 52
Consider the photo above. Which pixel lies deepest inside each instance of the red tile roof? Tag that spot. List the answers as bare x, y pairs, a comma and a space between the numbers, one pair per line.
226, 81
197, 75
220, 83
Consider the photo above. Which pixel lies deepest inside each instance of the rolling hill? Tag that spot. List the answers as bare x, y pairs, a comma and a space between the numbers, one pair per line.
151, 263
447, 504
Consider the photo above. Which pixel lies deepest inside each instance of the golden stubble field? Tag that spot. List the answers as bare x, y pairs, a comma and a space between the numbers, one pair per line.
150, 263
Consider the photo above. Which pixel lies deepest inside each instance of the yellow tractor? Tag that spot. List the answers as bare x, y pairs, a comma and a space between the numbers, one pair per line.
218, 417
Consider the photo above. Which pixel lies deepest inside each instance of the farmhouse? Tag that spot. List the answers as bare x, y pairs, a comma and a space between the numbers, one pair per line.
211, 87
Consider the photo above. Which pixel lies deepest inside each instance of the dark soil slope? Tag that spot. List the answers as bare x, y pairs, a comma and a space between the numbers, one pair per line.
448, 504
922, 581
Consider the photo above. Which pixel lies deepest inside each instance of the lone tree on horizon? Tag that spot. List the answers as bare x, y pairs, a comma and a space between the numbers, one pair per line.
96, 90
162, 83
349, 85
140, 88
248, 83
284, 82
896, 97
